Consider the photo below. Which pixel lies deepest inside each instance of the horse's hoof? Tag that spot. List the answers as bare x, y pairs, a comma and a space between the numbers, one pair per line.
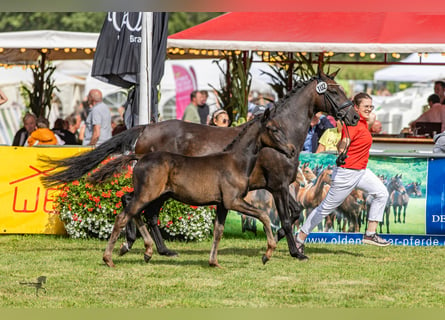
169, 253
265, 259
124, 249
108, 262
303, 257
215, 265
147, 257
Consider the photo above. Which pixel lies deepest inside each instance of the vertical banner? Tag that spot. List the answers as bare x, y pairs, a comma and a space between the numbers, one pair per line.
27, 206
435, 204
117, 59
185, 82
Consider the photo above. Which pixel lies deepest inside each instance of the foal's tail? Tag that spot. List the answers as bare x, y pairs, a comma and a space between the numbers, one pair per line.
110, 168
79, 165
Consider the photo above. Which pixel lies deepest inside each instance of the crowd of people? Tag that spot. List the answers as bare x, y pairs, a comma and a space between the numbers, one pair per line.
90, 125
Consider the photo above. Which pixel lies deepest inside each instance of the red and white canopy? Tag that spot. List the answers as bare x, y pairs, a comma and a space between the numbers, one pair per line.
372, 32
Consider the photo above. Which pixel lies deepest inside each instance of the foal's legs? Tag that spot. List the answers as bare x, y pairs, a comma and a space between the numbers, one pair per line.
119, 224
239, 204
218, 229
121, 220
151, 214
148, 241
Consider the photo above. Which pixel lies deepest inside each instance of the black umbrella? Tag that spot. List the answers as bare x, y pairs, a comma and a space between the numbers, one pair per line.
117, 57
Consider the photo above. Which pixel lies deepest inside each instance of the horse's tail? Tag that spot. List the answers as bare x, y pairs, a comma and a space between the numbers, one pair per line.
79, 165
110, 168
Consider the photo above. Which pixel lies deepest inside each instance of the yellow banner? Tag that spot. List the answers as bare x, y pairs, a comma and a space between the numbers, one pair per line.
27, 206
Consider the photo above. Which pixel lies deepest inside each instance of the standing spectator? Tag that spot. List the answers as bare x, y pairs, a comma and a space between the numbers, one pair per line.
42, 135
29, 125
191, 113
3, 98
350, 173
98, 122
203, 107
319, 123
439, 89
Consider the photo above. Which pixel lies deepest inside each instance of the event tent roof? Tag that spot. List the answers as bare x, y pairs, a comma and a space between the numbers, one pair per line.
406, 72
25, 46
373, 32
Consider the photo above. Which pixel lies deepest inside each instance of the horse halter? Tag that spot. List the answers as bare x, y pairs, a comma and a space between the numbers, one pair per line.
322, 88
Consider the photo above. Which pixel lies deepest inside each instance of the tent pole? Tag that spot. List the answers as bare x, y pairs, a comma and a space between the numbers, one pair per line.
145, 69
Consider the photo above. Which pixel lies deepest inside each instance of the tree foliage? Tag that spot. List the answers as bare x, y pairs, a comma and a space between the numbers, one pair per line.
87, 21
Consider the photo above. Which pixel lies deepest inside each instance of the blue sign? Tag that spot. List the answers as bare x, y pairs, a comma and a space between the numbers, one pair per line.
435, 199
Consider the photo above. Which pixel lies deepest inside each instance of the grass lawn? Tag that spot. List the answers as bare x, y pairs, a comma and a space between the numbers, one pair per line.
336, 276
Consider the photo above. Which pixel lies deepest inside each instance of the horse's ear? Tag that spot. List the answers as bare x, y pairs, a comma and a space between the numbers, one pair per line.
266, 114
334, 74
319, 70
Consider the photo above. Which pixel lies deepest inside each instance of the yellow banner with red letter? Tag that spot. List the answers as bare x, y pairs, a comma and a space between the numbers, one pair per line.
27, 206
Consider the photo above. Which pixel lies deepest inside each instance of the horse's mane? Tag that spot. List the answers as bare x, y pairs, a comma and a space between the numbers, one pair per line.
242, 132
298, 86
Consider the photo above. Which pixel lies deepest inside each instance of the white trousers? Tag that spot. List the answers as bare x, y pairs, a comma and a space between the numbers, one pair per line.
343, 182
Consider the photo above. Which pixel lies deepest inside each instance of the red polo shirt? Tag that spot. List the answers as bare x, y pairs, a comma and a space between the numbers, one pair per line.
361, 141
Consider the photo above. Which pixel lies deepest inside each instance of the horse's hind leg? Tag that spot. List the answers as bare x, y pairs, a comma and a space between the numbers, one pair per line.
218, 230
130, 228
241, 205
121, 220
295, 215
119, 224
282, 200
148, 241
151, 215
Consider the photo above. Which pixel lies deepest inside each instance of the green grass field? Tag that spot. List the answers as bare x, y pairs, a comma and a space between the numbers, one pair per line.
336, 276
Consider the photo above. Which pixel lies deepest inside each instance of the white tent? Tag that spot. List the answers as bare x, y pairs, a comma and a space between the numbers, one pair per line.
414, 73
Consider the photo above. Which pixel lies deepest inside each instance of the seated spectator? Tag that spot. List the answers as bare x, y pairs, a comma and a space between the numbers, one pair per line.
376, 128
117, 125
74, 122
42, 135
29, 125
439, 143
255, 111
3, 98
60, 129
319, 123
436, 113
330, 138
220, 118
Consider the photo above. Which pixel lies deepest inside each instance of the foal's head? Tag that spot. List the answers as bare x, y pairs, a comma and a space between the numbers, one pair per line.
272, 135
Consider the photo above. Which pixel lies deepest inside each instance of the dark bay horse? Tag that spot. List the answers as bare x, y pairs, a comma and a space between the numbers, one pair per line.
413, 189
399, 202
220, 178
393, 184
273, 171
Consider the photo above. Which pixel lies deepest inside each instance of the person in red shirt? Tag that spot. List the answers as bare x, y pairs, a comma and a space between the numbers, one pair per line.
351, 172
